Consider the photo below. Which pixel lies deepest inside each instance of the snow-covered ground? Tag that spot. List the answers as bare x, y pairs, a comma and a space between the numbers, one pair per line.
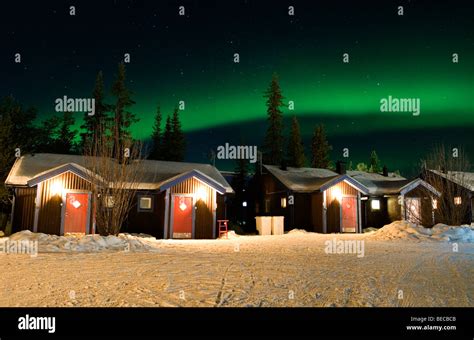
401, 265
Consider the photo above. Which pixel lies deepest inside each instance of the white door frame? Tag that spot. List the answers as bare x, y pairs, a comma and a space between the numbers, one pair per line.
63, 208
193, 213
341, 229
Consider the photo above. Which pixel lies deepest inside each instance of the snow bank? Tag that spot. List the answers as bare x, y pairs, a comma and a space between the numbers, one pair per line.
403, 230
87, 243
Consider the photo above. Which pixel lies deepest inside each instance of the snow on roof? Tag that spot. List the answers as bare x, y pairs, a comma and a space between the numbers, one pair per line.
379, 184
463, 178
308, 179
153, 173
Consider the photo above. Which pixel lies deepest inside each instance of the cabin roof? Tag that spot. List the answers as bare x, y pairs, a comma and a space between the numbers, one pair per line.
310, 179
392, 184
462, 178
153, 176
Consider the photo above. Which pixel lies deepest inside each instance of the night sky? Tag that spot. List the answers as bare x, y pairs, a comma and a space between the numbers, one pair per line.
190, 58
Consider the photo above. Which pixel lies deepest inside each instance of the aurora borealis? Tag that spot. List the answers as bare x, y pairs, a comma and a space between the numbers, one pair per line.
190, 58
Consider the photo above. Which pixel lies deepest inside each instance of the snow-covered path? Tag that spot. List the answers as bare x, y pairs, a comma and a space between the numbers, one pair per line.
288, 270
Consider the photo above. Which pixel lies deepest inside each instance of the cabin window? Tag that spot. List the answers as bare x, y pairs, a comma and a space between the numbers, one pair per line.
109, 201
435, 204
283, 202
458, 200
375, 204
267, 206
145, 203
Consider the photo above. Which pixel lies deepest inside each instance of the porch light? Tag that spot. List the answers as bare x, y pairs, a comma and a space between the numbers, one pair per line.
283, 202
338, 194
201, 194
375, 204
56, 188
244, 203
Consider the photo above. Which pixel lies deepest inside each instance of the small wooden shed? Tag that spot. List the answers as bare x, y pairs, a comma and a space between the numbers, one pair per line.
317, 200
392, 197
52, 194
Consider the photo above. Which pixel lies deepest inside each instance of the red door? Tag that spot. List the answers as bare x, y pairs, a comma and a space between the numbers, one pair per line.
349, 214
182, 217
75, 216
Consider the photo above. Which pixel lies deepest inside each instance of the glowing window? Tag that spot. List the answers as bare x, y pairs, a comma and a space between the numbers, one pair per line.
435, 203
375, 204
458, 200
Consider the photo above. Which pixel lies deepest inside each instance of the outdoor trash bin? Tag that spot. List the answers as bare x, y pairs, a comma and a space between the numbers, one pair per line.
264, 225
278, 225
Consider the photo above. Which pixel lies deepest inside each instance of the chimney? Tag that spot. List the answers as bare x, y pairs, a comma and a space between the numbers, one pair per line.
283, 164
341, 167
385, 171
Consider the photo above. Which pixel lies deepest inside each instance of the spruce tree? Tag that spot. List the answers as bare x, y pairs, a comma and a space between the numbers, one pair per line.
156, 136
65, 142
374, 162
166, 144
122, 118
296, 157
273, 143
320, 148
178, 141
93, 126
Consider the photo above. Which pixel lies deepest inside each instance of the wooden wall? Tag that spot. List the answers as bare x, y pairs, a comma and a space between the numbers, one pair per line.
205, 207
334, 206
49, 218
147, 222
24, 209
427, 216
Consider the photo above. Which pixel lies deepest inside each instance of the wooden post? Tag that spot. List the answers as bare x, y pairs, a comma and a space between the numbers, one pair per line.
359, 215
167, 210
39, 188
325, 224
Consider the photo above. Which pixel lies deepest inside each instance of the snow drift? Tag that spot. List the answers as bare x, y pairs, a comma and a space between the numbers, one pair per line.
402, 230
87, 243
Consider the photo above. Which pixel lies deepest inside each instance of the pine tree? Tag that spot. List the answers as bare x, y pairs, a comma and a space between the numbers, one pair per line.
320, 148
374, 162
362, 167
156, 137
56, 134
273, 143
296, 157
166, 144
17, 131
178, 141
66, 135
123, 118
94, 125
